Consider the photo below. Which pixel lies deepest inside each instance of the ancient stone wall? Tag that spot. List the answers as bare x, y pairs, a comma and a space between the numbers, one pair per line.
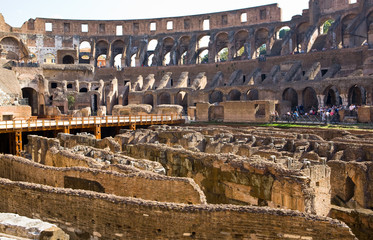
229, 179
94, 214
146, 185
359, 220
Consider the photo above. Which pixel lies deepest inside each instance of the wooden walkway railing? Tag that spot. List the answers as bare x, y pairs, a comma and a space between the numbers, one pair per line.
56, 123
65, 124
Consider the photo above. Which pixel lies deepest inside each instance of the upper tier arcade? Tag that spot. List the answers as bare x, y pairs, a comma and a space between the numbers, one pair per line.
207, 38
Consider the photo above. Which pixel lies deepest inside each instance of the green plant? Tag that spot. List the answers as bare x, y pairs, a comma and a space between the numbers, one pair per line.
71, 102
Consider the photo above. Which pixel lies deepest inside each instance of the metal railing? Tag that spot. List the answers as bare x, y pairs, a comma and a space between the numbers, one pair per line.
62, 121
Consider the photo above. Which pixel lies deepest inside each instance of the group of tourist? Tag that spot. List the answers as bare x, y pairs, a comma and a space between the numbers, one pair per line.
328, 114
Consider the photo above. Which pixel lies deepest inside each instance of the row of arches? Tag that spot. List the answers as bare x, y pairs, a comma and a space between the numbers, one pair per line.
330, 32
308, 97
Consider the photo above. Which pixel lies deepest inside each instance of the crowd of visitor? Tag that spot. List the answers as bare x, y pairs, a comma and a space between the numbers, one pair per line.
328, 114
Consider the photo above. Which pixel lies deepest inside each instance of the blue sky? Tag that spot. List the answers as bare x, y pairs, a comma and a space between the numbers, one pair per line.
17, 12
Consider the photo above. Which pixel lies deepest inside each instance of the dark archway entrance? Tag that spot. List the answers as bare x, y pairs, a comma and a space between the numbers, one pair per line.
310, 99
234, 95
332, 97
148, 99
68, 60
216, 97
357, 96
164, 98
290, 95
182, 100
31, 95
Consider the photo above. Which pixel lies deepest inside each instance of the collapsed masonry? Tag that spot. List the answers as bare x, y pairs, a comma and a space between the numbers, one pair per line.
253, 173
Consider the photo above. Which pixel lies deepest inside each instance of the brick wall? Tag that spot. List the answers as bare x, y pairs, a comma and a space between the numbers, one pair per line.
110, 217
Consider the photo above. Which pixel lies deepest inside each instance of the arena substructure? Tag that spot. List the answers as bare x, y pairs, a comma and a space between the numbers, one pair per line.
188, 181
196, 182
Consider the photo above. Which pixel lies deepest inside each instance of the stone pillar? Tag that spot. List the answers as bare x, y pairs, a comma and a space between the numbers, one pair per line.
108, 57
320, 99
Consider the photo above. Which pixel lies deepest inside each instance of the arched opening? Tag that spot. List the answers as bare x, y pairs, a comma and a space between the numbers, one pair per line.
346, 22
69, 86
299, 46
152, 44
182, 99
310, 100
49, 59
222, 56
203, 42
261, 39
332, 97
291, 96
203, 57
318, 40
252, 95
84, 52
221, 46
164, 98
118, 61
167, 59
183, 58
281, 33
101, 61
68, 59
150, 59
133, 60
184, 43
357, 96
168, 44
148, 99
324, 28
117, 48
11, 49
234, 95
240, 40
102, 48
32, 96
216, 97
83, 89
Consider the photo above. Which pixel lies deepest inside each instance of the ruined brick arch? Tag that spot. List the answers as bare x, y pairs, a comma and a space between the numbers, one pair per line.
202, 46
319, 38
33, 99
332, 96
164, 98
357, 95
221, 42
101, 49
291, 96
234, 95
68, 59
150, 52
241, 38
148, 99
216, 97
182, 99
309, 99
261, 37
346, 21
12, 46
85, 51
168, 51
182, 52
117, 48
252, 94
300, 38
